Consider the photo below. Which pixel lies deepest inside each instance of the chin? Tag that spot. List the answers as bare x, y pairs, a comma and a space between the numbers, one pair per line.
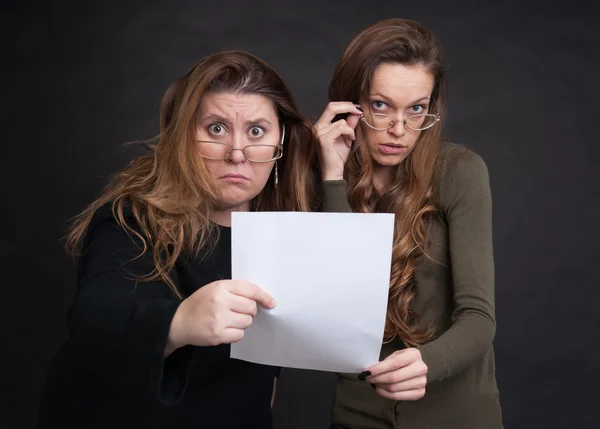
235, 198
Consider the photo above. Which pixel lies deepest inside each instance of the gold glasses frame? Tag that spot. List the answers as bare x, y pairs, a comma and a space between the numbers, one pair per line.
393, 120
278, 155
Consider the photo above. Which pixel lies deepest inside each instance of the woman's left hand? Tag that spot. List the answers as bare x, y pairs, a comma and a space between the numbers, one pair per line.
402, 376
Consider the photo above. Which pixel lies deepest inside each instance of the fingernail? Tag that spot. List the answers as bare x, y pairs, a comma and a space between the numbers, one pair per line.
373, 386
360, 108
363, 375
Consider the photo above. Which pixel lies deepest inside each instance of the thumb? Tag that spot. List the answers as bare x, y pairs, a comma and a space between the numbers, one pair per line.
352, 120
263, 298
253, 292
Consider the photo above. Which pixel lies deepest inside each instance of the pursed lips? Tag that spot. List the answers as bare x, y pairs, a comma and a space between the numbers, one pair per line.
234, 177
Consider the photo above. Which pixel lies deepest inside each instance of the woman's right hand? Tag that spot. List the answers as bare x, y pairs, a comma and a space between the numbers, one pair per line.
335, 139
217, 313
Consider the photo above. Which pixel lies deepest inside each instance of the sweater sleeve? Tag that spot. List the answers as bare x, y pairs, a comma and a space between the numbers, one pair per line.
335, 196
120, 327
466, 204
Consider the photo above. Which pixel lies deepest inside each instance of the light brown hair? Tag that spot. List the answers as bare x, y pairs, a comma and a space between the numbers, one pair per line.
169, 189
410, 195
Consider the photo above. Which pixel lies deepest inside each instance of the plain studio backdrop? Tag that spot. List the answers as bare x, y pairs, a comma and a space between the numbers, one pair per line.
80, 78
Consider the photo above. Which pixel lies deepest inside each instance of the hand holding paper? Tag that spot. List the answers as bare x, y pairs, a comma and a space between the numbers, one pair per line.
329, 274
217, 313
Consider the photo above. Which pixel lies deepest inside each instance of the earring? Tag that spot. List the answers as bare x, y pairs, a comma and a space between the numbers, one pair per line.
276, 174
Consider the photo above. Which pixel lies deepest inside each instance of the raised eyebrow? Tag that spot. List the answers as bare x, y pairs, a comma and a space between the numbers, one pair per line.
420, 100
258, 121
219, 118
376, 95
215, 117
385, 98
390, 101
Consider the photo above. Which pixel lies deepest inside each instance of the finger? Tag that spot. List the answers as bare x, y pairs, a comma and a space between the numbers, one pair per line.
412, 384
238, 321
336, 108
251, 291
338, 125
331, 132
340, 132
346, 130
408, 395
232, 335
352, 120
241, 304
415, 369
395, 361
347, 140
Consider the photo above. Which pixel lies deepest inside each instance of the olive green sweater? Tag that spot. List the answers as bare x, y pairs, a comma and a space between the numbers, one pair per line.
455, 293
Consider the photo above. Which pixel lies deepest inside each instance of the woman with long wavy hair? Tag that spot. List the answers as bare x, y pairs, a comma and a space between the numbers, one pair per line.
381, 150
155, 311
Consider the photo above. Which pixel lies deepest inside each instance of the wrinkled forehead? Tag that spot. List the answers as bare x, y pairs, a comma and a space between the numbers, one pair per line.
237, 107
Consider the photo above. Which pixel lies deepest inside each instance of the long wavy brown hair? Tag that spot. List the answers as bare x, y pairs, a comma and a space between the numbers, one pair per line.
169, 189
410, 195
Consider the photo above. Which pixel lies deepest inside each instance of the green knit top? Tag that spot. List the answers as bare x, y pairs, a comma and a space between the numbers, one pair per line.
455, 294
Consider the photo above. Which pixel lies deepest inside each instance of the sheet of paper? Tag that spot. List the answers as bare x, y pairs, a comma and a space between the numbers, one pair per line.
329, 274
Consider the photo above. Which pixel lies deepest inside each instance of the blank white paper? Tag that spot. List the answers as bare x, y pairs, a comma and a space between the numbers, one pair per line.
329, 274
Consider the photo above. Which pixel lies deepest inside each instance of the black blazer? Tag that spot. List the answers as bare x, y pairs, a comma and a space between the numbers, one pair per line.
111, 372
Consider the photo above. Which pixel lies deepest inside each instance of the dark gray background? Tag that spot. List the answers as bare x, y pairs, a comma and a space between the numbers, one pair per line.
81, 78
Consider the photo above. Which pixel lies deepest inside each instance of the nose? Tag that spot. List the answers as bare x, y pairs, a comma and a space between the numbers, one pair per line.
237, 155
398, 129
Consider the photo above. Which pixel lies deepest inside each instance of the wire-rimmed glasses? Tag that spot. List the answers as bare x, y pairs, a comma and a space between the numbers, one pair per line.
253, 152
384, 121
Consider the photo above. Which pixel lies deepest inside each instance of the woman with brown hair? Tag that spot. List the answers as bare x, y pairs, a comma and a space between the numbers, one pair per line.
155, 311
381, 151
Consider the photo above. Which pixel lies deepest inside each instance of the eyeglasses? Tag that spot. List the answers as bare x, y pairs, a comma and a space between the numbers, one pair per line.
253, 152
383, 121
